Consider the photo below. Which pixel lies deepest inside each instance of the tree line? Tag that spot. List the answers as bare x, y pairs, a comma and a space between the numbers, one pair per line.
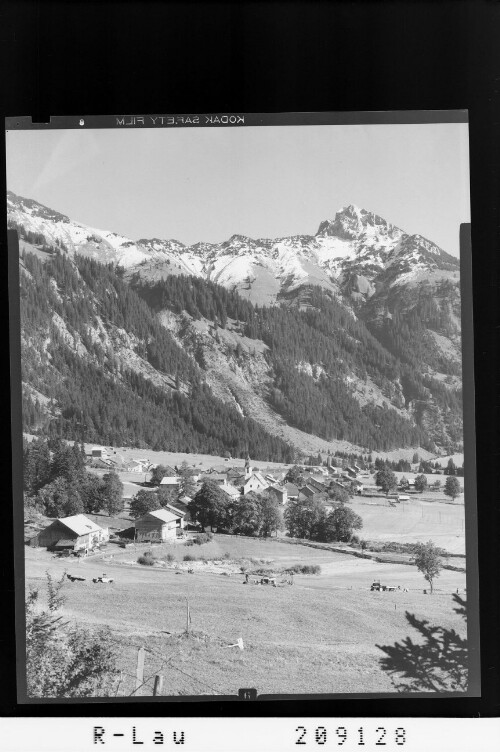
57, 483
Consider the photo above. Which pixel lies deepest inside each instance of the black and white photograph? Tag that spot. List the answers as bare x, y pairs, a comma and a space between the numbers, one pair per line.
244, 462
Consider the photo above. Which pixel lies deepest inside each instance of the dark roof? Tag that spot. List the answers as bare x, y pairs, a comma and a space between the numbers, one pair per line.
292, 489
307, 491
65, 543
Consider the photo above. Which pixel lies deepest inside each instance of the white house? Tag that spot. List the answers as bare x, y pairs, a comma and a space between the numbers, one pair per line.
255, 482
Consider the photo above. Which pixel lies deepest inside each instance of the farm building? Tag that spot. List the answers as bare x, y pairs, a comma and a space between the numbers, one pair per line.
316, 484
98, 452
307, 492
159, 525
75, 533
180, 513
231, 490
280, 493
169, 481
292, 490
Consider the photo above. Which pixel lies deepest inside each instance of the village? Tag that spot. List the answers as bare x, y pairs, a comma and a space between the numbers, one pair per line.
172, 519
328, 606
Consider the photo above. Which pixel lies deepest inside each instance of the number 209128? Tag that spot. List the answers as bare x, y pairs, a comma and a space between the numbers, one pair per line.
379, 737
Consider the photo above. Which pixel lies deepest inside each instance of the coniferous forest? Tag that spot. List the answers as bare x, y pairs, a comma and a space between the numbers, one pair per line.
99, 366
93, 396
322, 334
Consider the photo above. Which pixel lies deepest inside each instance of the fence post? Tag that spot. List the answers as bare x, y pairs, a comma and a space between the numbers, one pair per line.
158, 685
139, 675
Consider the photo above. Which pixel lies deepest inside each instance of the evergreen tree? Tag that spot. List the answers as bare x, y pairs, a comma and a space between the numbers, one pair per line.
36, 466
112, 493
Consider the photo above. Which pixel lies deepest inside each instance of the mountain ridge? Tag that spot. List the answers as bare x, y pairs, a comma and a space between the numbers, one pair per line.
402, 290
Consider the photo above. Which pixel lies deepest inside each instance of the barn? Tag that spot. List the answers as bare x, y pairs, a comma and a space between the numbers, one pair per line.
160, 525
75, 533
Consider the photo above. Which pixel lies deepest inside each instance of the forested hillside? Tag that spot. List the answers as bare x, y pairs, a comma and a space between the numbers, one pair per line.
96, 364
316, 351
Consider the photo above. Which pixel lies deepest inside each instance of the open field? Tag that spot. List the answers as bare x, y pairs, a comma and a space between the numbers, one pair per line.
318, 636
413, 521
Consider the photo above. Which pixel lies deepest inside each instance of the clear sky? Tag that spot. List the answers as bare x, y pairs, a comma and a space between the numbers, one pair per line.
206, 184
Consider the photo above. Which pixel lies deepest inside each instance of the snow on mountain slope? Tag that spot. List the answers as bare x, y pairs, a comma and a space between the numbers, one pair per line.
352, 254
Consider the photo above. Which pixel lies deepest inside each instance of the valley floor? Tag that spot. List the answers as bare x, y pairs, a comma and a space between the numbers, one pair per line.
318, 636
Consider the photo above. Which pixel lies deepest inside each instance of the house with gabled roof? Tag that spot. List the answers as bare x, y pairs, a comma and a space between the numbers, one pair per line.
74, 533
292, 490
169, 481
160, 525
255, 482
317, 485
307, 492
231, 490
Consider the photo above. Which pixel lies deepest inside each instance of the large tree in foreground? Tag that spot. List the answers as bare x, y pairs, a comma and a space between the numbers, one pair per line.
427, 561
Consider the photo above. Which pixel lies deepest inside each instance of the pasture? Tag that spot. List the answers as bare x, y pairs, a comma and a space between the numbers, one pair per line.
412, 521
318, 636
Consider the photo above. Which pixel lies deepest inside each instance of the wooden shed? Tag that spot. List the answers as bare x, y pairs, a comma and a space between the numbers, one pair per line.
159, 525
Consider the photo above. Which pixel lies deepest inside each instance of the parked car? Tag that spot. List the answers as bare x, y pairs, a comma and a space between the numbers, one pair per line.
103, 578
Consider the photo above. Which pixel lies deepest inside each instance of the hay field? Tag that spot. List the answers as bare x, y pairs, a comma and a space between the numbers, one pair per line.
319, 636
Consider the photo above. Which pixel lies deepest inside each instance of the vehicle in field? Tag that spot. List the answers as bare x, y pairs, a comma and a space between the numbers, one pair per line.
74, 577
103, 578
384, 588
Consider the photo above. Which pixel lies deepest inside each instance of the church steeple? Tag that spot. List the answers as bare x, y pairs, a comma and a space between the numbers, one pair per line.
248, 469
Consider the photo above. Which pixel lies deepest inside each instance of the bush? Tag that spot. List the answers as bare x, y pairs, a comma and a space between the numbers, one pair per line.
202, 538
146, 558
303, 569
226, 556
170, 558
188, 557
189, 542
